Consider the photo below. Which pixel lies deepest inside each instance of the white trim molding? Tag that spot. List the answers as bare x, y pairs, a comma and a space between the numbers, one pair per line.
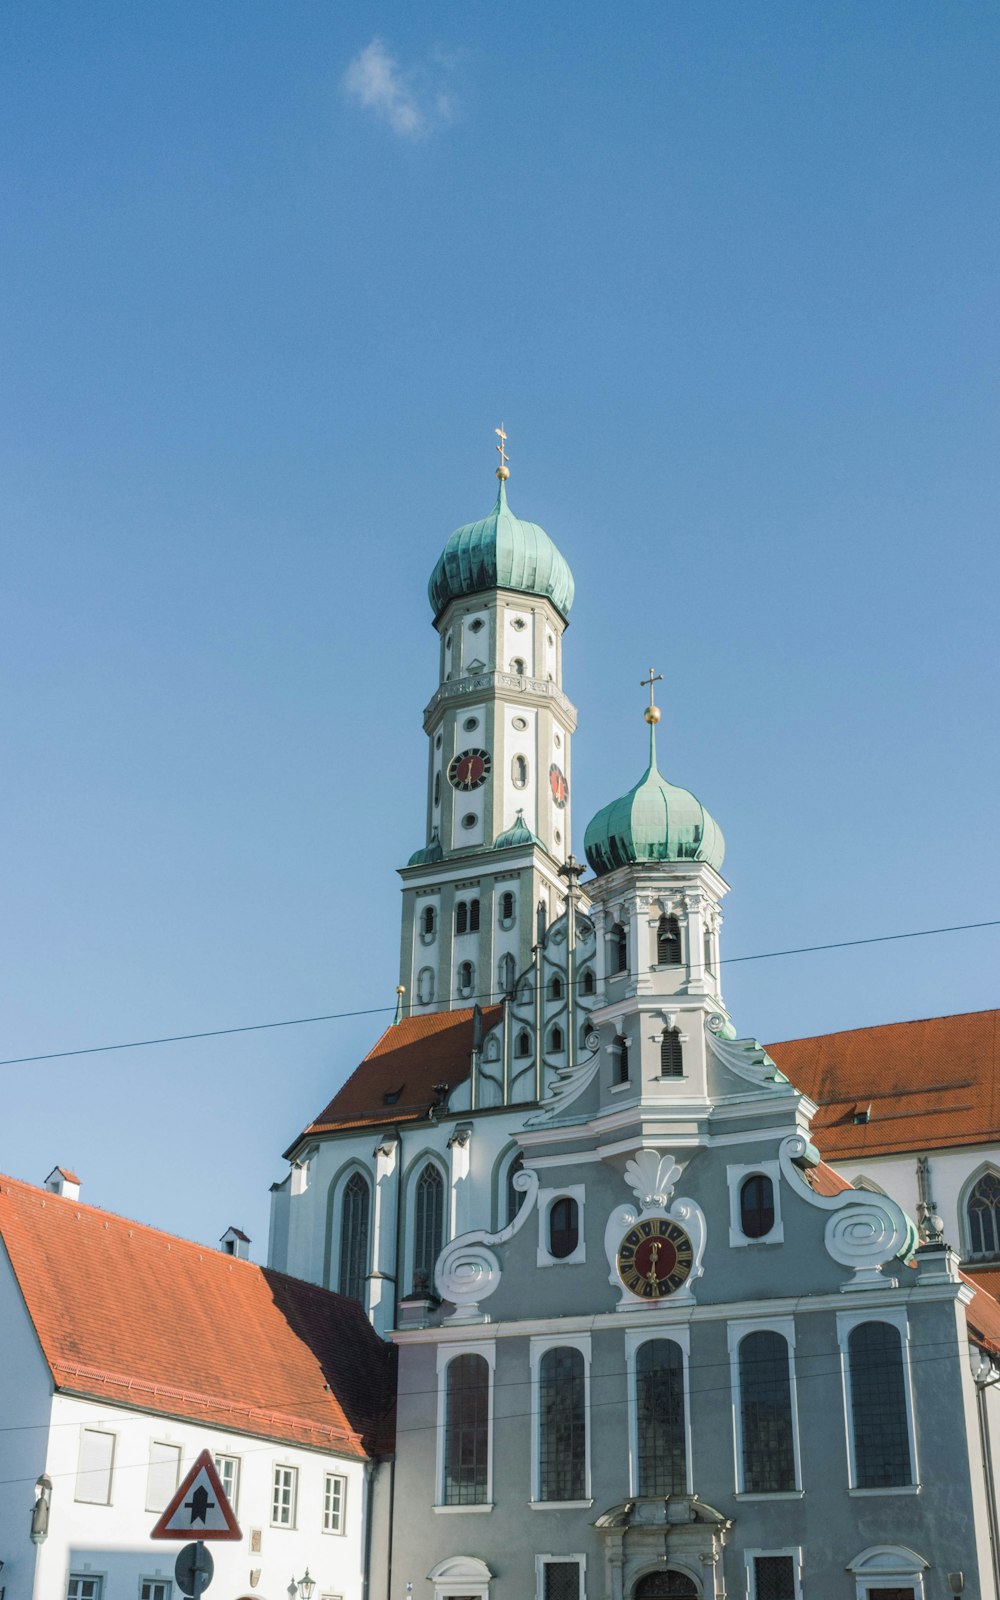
546, 1200
541, 1562
446, 1354
461, 1575
888, 1566
736, 1177
792, 1552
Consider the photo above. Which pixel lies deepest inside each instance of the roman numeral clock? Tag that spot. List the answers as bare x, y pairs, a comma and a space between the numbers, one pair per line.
655, 1254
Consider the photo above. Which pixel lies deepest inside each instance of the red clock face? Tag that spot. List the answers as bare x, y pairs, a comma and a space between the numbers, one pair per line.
655, 1258
470, 769
558, 785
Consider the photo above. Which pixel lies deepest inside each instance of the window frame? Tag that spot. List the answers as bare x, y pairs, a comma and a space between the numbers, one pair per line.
885, 1566
635, 1338
794, 1551
175, 1449
736, 1332
226, 1455
546, 1200
330, 1477
897, 1318
986, 1170
166, 1583
86, 1577
446, 1354
84, 1500
285, 1466
736, 1176
551, 1560
539, 1344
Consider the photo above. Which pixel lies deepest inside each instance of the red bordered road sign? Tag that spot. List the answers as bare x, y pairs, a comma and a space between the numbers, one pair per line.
199, 1509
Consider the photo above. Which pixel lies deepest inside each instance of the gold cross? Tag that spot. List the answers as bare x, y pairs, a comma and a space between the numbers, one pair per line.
654, 677
504, 457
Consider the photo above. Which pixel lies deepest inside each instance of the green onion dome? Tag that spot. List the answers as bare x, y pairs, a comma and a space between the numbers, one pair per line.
655, 821
501, 552
519, 833
429, 854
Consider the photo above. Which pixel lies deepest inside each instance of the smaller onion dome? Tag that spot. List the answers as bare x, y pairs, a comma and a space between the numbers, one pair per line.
501, 552
655, 821
519, 834
429, 854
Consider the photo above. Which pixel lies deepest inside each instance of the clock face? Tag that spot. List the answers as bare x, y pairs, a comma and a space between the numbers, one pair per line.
470, 769
558, 785
655, 1258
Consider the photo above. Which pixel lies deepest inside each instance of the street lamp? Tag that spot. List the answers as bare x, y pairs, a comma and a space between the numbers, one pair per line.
40, 1510
303, 1586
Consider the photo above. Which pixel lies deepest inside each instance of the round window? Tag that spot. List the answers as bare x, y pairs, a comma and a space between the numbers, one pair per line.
469, 820
520, 723
470, 724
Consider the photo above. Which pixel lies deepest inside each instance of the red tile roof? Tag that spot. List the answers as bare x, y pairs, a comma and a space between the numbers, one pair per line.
933, 1084
982, 1316
126, 1314
395, 1082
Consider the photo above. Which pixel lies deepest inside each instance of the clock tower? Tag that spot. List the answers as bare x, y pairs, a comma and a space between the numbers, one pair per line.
499, 729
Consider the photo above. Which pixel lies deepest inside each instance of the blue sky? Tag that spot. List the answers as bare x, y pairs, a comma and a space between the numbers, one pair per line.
272, 274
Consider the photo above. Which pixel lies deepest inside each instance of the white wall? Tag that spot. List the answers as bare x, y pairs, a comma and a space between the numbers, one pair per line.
25, 1401
950, 1172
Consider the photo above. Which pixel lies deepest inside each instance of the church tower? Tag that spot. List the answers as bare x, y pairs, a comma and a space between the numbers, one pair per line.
499, 729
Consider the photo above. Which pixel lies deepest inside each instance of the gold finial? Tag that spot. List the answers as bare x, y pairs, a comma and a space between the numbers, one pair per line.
652, 711
503, 471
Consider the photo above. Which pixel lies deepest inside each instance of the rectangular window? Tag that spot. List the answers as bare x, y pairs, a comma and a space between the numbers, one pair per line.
161, 1480
84, 1587
283, 1497
155, 1589
94, 1469
559, 1577
228, 1468
773, 1578
334, 1501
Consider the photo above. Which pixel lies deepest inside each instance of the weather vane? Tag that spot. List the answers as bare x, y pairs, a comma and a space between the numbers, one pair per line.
503, 471
652, 711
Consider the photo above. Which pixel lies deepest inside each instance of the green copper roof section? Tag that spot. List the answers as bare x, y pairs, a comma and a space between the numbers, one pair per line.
501, 552
429, 854
519, 834
655, 821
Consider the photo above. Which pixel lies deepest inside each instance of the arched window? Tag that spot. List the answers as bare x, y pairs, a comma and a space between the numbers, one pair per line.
556, 1040
466, 976
354, 1238
515, 1197
671, 1059
473, 916
878, 1407
562, 1426
428, 920
983, 1211
555, 987
467, 1431
564, 1227
757, 1205
766, 1414
519, 772
659, 1398
588, 983
668, 942
425, 986
619, 949
461, 917
507, 906
507, 973
428, 1224
522, 1044
621, 1060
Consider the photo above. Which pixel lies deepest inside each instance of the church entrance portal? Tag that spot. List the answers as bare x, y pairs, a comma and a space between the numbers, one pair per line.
668, 1585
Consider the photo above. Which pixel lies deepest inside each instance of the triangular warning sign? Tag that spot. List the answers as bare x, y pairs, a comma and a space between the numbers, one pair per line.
199, 1509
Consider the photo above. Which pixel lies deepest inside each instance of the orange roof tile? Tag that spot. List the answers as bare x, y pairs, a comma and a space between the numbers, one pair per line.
930, 1084
395, 1081
982, 1316
825, 1181
127, 1314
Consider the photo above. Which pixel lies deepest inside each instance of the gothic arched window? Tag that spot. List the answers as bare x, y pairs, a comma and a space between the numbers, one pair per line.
522, 1044
461, 917
621, 1059
668, 942
562, 1426
659, 1399
507, 973
354, 1238
555, 987
588, 984
515, 1197
757, 1205
619, 948
556, 1040
766, 1414
564, 1227
983, 1212
428, 1223
878, 1407
671, 1058
466, 1431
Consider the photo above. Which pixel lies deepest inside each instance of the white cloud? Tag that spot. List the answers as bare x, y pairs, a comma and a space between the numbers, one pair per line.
408, 101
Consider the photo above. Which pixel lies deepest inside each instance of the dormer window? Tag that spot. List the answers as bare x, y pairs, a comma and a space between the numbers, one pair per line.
668, 942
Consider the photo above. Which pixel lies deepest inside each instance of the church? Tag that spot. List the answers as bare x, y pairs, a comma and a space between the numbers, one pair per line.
649, 1343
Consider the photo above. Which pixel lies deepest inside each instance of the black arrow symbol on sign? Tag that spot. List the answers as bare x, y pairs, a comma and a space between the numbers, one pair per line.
199, 1504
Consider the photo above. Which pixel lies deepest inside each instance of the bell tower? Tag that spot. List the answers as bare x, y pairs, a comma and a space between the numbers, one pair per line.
499, 731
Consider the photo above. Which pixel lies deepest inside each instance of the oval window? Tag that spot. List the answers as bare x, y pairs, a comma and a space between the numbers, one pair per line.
520, 723
469, 820
757, 1206
470, 724
564, 1227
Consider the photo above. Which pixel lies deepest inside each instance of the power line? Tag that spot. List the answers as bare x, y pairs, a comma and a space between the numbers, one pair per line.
487, 995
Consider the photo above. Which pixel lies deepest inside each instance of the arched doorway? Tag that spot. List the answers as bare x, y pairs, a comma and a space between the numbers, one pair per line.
666, 1585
